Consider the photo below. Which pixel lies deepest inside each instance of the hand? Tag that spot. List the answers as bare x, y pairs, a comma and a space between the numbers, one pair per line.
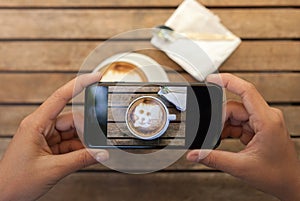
45, 147
269, 161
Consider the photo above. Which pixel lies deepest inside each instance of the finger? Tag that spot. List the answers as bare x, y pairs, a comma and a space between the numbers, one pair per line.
236, 113
67, 135
248, 134
65, 122
79, 123
236, 116
252, 100
62, 136
64, 129
229, 162
53, 134
54, 139
77, 160
50, 109
70, 121
232, 131
68, 146
246, 137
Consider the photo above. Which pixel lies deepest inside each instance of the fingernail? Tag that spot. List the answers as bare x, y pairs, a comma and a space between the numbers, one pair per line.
212, 77
193, 157
98, 73
203, 154
101, 156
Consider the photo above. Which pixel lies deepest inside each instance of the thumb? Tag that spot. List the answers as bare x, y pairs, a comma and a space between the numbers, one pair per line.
79, 159
221, 160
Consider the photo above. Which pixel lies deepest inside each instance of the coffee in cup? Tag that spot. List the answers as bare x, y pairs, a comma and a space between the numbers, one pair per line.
147, 117
119, 70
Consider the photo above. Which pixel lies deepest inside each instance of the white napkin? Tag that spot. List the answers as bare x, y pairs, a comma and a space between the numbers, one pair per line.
176, 95
192, 17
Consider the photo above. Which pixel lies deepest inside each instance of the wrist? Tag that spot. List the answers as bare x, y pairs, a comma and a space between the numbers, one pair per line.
3, 186
8, 186
292, 187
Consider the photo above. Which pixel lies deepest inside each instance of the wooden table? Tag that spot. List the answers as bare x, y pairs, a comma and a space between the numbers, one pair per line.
43, 44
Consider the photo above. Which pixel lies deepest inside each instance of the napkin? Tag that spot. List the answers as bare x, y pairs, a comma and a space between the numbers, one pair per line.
199, 57
175, 95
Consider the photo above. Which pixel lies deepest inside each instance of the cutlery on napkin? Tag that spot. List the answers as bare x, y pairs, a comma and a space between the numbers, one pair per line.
203, 43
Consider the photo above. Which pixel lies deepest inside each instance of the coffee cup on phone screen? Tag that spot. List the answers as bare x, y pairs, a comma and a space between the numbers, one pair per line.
148, 118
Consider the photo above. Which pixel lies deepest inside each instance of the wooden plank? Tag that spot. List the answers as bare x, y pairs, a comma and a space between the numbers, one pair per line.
232, 145
13, 114
141, 3
118, 114
264, 56
88, 185
69, 56
120, 130
4, 142
21, 89
274, 87
158, 142
122, 100
277, 87
44, 56
291, 115
181, 164
155, 186
250, 3
246, 23
83, 24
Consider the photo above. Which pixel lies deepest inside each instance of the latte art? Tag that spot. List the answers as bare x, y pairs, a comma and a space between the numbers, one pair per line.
147, 116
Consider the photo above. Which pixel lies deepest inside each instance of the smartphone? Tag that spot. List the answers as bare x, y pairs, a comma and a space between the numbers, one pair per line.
153, 115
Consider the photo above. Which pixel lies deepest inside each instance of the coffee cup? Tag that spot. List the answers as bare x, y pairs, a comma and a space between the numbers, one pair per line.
147, 117
122, 70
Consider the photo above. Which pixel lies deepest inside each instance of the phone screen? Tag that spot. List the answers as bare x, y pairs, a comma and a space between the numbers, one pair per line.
153, 115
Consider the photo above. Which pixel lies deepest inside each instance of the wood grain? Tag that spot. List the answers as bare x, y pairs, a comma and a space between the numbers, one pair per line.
69, 55
156, 186
4, 142
56, 36
232, 145
12, 116
291, 115
142, 3
21, 86
120, 130
94, 24
118, 114
122, 100
275, 87
264, 56
83, 186
158, 142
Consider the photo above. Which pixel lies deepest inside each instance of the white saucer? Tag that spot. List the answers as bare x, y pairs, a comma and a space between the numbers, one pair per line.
153, 71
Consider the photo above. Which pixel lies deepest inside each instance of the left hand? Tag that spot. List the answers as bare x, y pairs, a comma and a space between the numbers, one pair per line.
46, 147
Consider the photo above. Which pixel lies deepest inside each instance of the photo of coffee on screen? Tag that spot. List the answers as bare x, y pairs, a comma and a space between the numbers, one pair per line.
147, 117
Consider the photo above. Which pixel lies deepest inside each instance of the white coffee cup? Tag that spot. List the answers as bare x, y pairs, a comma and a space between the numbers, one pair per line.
147, 117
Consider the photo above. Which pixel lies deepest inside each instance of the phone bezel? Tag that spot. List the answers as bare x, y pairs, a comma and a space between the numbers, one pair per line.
209, 141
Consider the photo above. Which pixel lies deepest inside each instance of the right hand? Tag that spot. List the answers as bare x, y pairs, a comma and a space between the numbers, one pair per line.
269, 161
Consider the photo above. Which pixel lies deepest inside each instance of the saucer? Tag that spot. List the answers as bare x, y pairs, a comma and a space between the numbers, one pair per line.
147, 69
